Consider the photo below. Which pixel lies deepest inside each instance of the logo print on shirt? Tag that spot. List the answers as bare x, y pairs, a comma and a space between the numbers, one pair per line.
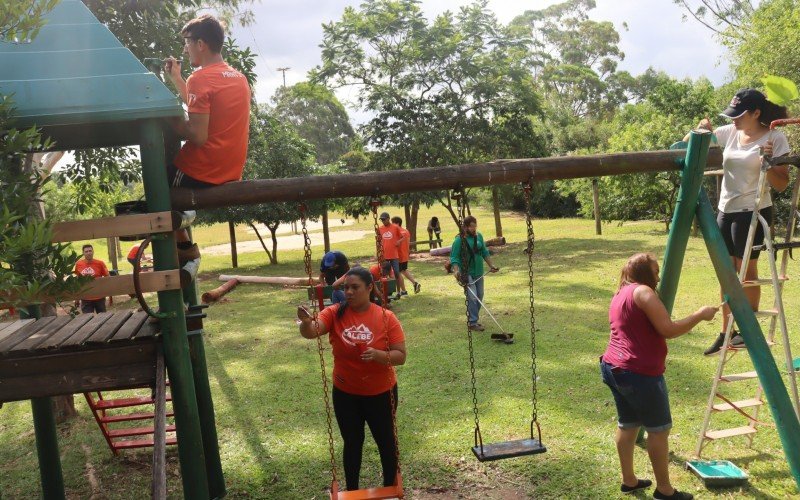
87, 271
192, 99
360, 334
387, 235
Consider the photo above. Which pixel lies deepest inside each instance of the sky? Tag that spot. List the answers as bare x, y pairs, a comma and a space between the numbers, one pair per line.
288, 34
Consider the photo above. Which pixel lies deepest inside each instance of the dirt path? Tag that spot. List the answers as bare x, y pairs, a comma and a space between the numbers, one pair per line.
286, 242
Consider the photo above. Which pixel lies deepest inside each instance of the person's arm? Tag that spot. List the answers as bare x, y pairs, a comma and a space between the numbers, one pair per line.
777, 176
400, 237
705, 124
649, 302
321, 278
455, 258
309, 328
172, 68
395, 356
194, 128
339, 281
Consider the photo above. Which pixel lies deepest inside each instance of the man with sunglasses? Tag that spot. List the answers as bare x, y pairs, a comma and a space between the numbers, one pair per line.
216, 128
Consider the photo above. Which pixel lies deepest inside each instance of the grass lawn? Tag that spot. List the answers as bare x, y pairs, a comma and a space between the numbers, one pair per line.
267, 392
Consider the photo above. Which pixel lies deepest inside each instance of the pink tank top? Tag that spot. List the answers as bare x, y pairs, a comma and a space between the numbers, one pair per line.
634, 344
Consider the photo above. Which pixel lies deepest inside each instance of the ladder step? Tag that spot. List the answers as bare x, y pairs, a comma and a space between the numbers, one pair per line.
135, 431
726, 433
127, 417
759, 282
767, 312
735, 377
745, 403
140, 443
106, 404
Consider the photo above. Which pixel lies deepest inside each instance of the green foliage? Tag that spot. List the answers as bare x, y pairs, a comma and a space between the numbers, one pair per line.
318, 117
60, 198
20, 20
779, 90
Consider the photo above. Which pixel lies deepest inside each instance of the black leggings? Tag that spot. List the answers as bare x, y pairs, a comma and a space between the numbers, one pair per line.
352, 411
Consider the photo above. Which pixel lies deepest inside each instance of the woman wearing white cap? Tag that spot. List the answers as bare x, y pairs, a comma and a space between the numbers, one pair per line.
743, 142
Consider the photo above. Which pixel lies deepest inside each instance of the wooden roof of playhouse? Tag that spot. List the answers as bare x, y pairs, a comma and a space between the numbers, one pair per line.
78, 83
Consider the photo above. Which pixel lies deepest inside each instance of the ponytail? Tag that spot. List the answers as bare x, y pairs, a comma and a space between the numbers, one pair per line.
771, 112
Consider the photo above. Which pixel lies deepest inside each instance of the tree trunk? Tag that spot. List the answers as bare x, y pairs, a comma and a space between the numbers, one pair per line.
234, 254
449, 207
598, 226
413, 219
326, 236
63, 406
498, 225
263, 245
273, 229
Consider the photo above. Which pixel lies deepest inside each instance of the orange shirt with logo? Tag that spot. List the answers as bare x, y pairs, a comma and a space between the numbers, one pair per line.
404, 250
96, 269
132, 253
349, 336
223, 93
389, 235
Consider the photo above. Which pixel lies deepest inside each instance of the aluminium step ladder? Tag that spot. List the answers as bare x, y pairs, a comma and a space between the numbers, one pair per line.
777, 318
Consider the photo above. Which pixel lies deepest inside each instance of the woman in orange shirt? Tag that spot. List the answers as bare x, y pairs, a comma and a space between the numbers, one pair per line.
367, 343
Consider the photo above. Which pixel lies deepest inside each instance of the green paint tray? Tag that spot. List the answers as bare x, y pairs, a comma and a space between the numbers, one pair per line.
797, 364
717, 472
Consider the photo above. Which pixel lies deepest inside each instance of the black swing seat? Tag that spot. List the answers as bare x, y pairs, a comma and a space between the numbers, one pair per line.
508, 449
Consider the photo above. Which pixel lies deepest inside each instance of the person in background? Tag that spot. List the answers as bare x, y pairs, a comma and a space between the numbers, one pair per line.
96, 268
404, 251
332, 270
392, 238
470, 274
744, 140
367, 343
633, 368
435, 229
132, 255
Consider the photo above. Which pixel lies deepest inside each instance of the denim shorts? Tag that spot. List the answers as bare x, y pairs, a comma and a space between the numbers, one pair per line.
641, 400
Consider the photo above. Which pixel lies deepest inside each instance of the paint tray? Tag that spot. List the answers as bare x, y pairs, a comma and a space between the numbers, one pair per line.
720, 473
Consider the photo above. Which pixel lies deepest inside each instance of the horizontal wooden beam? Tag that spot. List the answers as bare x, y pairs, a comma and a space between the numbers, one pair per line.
122, 225
431, 179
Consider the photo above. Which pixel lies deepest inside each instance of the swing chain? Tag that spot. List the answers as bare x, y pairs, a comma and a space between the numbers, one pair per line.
461, 203
307, 261
375, 203
529, 250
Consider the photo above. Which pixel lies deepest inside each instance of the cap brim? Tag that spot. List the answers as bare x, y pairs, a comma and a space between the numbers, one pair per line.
732, 113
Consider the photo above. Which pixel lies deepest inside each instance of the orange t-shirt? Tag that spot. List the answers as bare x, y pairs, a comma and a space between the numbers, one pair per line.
390, 234
404, 250
96, 269
223, 93
132, 253
349, 336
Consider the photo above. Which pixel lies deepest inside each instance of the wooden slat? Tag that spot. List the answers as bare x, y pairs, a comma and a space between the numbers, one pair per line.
140, 443
736, 377
726, 433
160, 428
123, 285
23, 333
9, 328
66, 332
87, 330
745, 403
43, 334
131, 327
109, 328
148, 330
123, 225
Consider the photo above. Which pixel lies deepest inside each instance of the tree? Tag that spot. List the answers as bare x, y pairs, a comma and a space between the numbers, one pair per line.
22, 19
726, 18
275, 151
455, 90
318, 117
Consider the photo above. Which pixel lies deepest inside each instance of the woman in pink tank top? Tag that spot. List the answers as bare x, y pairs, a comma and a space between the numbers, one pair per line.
633, 368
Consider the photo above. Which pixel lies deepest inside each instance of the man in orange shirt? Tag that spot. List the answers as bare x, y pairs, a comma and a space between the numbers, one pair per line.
404, 252
216, 129
89, 266
392, 238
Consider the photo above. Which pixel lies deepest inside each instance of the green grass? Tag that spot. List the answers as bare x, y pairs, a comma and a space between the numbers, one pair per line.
267, 392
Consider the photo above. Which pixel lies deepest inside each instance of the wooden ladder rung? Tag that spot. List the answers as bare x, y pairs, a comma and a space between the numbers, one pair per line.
767, 312
736, 377
128, 417
759, 282
732, 432
745, 403
107, 404
135, 431
140, 443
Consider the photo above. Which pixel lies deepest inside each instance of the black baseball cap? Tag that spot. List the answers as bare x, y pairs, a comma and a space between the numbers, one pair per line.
384, 215
744, 100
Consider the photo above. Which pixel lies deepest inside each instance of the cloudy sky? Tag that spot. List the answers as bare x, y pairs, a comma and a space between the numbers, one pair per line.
287, 33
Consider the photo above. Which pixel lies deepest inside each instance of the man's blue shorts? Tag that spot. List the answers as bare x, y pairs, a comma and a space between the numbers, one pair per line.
641, 400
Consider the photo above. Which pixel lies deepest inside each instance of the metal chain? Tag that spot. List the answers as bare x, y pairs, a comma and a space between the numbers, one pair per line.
529, 251
384, 286
328, 412
461, 203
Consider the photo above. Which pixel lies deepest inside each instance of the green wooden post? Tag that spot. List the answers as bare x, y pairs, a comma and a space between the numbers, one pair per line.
44, 424
768, 374
175, 343
691, 180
